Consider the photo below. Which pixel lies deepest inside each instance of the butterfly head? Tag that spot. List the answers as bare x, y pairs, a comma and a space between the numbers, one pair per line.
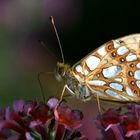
61, 70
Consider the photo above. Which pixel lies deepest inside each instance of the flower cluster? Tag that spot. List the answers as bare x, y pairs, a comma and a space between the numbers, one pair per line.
120, 124
33, 120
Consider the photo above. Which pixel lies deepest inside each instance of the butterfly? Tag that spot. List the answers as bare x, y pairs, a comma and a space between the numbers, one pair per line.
111, 72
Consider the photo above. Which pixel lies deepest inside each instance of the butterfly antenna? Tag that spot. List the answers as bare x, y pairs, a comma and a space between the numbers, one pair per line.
53, 23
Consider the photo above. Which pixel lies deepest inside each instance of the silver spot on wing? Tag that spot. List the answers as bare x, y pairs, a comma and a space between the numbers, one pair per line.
122, 50
111, 71
92, 62
138, 65
137, 75
129, 91
138, 84
97, 92
116, 43
97, 82
131, 57
113, 94
79, 68
102, 51
118, 79
116, 86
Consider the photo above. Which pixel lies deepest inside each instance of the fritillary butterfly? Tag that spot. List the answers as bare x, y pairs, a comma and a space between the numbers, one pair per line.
111, 72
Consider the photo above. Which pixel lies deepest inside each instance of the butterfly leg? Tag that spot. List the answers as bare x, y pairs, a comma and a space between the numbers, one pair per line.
61, 97
63, 91
98, 104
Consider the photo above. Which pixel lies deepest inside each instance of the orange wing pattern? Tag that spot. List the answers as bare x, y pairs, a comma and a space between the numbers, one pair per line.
113, 70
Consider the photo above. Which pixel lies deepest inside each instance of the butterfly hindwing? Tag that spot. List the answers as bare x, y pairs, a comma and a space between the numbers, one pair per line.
113, 70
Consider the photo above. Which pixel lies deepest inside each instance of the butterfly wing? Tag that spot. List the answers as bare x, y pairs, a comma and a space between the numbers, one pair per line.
113, 70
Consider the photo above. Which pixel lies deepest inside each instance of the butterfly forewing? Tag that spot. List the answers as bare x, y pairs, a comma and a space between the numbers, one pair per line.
113, 70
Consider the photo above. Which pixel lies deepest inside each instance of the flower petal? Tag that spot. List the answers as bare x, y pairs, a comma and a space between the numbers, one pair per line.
68, 117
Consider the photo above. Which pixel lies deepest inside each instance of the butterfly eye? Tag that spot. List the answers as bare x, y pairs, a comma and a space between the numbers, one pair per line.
60, 71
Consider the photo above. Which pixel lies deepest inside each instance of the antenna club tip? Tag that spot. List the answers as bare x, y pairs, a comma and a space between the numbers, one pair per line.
52, 19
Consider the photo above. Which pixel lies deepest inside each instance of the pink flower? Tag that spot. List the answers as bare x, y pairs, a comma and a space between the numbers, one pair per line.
71, 119
31, 120
120, 125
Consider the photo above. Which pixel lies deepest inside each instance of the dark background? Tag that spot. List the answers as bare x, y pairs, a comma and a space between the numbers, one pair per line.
82, 27
101, 21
